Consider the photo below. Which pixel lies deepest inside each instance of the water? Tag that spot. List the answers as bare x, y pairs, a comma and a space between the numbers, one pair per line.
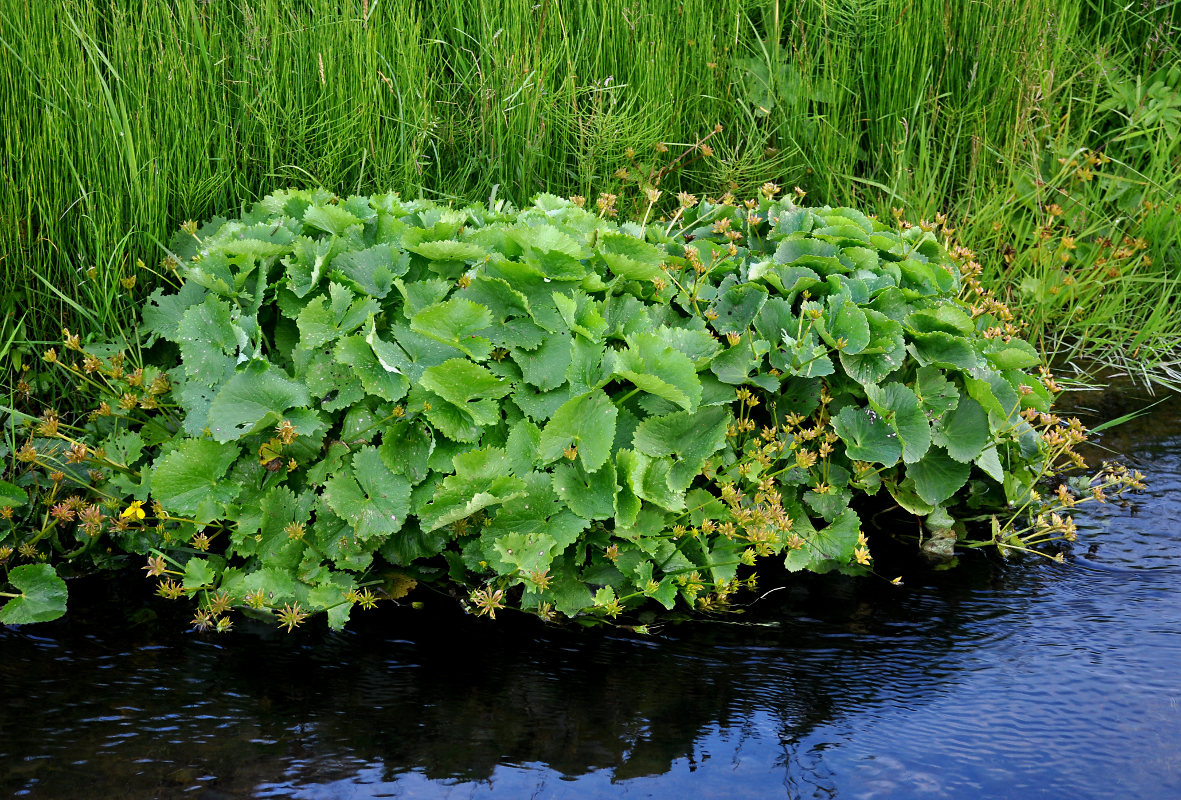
1024, 679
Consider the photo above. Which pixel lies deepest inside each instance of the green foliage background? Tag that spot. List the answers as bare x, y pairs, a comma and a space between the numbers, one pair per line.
122, 119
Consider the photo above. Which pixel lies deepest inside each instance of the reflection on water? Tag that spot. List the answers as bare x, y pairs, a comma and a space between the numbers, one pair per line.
1025, 679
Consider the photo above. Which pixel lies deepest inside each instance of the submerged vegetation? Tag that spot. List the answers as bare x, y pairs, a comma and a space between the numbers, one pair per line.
540, 409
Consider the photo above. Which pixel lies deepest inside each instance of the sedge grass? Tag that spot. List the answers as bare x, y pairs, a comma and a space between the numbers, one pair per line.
123, 119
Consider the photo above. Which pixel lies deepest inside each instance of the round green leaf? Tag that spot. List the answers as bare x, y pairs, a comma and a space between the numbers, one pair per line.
12, 495
964, 431
588, 422
867, 436
188, 481
938, 476
42, 595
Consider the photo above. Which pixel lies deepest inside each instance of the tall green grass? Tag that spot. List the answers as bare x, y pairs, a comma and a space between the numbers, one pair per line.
122, 119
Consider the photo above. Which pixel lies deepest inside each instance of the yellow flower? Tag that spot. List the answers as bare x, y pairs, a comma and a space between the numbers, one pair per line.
135, 510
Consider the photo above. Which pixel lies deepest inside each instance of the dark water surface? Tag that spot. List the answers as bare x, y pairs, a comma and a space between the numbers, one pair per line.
1025, 679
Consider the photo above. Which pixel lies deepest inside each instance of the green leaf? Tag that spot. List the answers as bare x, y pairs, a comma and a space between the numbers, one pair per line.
409, 354
252, 400
735, 364
829, 548
629, 258
692, 438
860, 258
938, 476
331, 595
538, 405
459, 423
42, 595
989, 461
525, 553
459, 381
943, 350
554, 254
581, 314
655, 367
546, 366
570, 594
305, 266
199, 574
330, 218
215, 272
369, 496
455, 322
905, 495
997, 396
1013, 354
417, 295
12, 495
162, 313
648, 478
627, 503
331, 383
625, 315
405, 449
281, 508
325, 319
188, 481
946, 318
592, 495
412, 543
208, 337
830, 504
867, 436
536, 510
812, 253
587, 422
737, 307
936, 393
371, 271
278, 586
590, 366
900, 406
884, 354
800, 396
481, 480
698, 345
498, 296
517, 334
844, 320
964, 431
448, 250
521, 449
382, 380
790, 281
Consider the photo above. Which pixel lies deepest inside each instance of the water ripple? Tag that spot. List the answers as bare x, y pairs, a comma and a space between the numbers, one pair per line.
1006, 680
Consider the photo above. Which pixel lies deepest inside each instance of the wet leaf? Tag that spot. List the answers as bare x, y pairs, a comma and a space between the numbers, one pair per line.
867, 436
